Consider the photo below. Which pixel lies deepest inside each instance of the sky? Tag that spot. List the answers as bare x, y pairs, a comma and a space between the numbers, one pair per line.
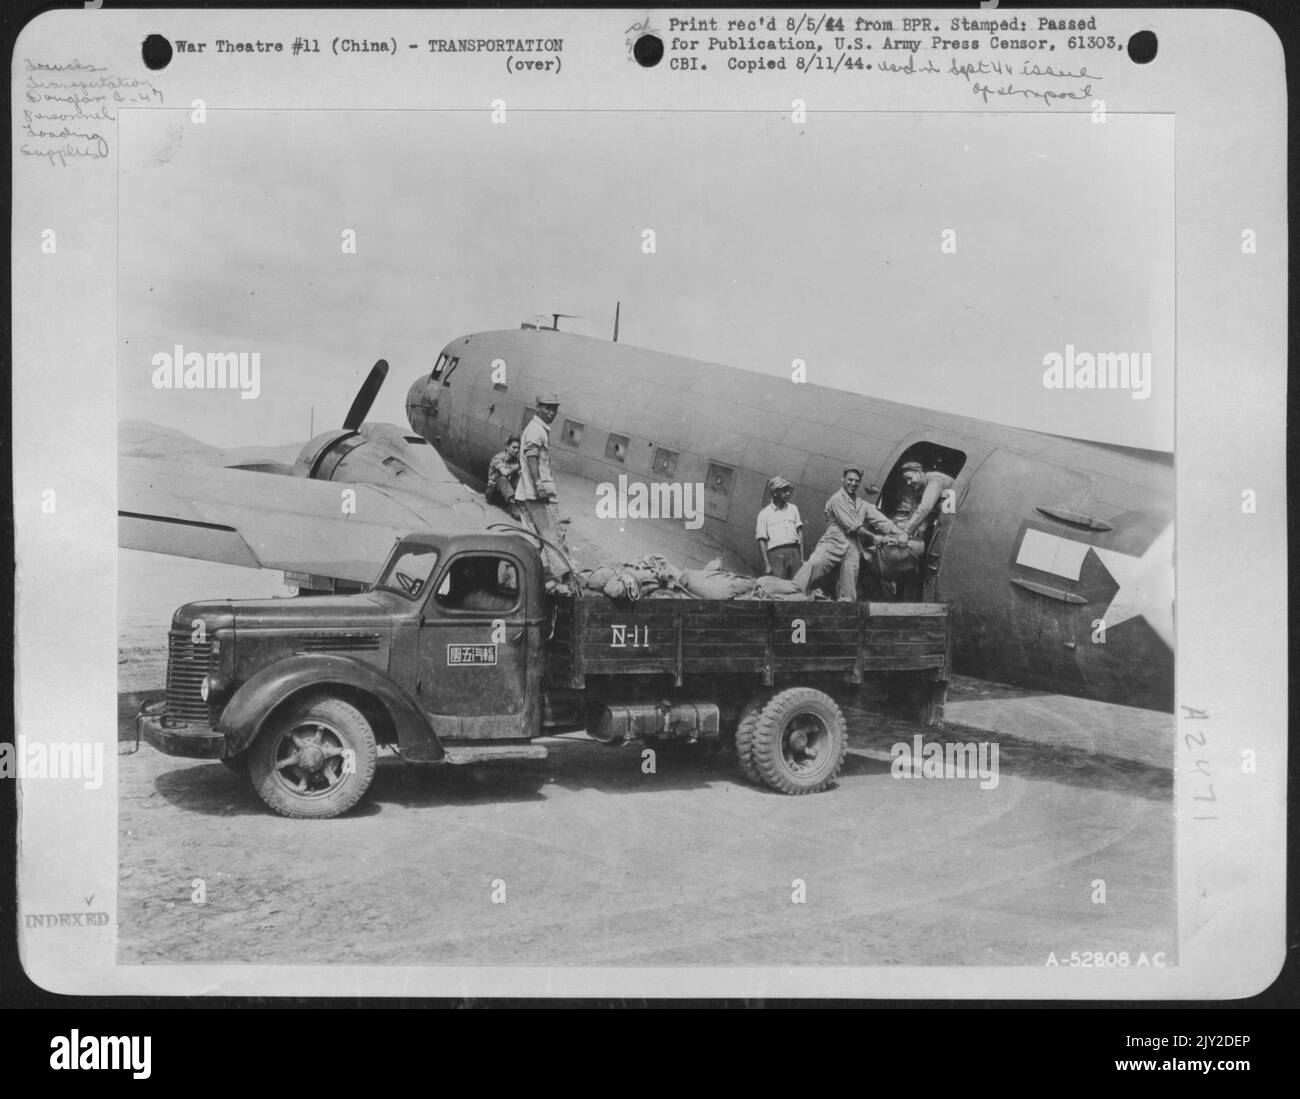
773, 242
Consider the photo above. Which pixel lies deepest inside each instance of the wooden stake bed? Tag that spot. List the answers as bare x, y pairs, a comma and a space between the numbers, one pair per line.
768, 640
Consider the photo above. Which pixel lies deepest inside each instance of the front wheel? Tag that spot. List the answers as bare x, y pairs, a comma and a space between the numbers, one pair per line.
314, 761
799, 741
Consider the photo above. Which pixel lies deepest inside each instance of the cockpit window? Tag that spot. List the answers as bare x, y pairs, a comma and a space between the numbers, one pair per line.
451, 369
439, 367
409, 571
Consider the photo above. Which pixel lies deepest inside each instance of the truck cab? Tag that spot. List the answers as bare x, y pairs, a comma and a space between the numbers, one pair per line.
442, 651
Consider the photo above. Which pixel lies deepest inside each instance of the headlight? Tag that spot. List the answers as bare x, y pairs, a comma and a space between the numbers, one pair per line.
213, 688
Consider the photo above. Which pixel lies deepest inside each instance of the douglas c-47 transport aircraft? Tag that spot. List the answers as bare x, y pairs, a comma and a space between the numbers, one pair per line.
1046, 537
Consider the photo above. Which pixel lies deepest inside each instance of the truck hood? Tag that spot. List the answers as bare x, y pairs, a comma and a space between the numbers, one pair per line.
361, 611
365, 611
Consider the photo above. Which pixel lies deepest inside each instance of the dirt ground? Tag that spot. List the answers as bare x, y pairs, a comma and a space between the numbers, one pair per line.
601, 864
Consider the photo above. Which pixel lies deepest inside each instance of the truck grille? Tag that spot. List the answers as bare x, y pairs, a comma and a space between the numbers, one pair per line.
187, 663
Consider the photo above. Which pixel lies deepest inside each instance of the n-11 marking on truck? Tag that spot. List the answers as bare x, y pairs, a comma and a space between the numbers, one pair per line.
458, 654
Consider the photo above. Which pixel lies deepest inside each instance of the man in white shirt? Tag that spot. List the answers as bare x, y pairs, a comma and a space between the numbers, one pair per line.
535, 492
779, 532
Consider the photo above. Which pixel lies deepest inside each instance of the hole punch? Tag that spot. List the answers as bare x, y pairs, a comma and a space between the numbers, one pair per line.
156, 51
1142, 47
648, 50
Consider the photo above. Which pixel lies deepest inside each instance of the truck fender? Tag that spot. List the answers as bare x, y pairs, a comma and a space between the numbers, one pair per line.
248, 709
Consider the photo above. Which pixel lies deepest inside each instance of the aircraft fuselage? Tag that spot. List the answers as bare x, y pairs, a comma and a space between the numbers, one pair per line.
1058, 562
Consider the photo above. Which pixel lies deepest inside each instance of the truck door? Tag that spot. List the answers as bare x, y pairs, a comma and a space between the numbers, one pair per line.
473, 652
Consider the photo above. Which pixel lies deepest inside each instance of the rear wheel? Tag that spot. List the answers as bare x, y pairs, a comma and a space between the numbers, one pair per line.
745, 727
799, 741
314, 761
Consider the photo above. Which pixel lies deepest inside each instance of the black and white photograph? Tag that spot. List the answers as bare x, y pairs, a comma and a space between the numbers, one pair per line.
666, 534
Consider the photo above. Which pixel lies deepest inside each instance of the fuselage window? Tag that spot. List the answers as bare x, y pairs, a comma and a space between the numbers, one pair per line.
572, 434
665, 463
616, 448
720, 479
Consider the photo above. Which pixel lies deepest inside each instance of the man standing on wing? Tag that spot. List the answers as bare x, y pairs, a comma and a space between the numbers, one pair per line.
847, 520
535, 492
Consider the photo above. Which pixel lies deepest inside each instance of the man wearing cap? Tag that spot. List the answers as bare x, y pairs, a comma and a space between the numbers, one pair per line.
918, 510
779, 532
924, 493
535, 492
848, 519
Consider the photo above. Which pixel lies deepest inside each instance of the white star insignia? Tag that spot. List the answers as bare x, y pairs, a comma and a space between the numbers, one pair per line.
1146, 585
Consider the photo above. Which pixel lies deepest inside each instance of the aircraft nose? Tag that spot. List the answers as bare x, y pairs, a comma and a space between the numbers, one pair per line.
421, 406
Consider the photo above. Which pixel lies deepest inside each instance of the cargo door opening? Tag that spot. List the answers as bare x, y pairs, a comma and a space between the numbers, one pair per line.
898, 501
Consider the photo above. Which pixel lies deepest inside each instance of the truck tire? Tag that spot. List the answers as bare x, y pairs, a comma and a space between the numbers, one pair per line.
745, 727
299, 764
799, 741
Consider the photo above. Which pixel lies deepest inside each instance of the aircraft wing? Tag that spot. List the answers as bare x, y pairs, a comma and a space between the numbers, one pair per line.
593, 540
262, 520
181, 497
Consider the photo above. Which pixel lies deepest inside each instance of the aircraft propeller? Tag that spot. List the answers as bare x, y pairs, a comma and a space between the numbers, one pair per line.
366, 396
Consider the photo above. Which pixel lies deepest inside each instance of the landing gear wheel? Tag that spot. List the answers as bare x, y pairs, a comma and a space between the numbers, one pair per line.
799, 741
745, 727
315, 761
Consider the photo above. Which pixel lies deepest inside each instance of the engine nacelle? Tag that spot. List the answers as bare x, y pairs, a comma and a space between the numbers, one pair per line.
321, 457
374, 454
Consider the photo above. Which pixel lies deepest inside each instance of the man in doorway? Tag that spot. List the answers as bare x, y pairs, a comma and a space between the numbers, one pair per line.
918, 512
779, 532
925, 492
848, 520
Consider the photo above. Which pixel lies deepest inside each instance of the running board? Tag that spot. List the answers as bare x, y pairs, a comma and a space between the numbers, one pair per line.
486, 753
